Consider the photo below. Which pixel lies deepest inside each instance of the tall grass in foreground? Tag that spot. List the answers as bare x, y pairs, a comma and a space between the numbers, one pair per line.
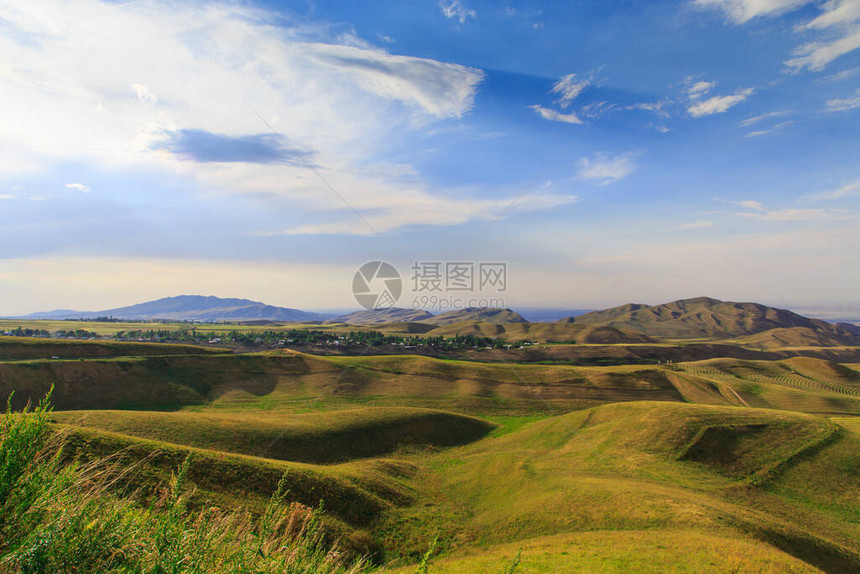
61, 517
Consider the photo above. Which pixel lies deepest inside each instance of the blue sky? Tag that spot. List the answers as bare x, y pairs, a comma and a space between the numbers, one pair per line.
608, 152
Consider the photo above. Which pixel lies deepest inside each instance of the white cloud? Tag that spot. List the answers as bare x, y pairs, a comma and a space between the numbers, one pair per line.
836, 13
817, 55
143, 94
749, 204
841, 75
657, 108
741, 11
756, 119
454, 9
554, 116
440, 89
606, 169
838, 25
844, 104
568, 88
774, 128
417, 208
101, 83
700, 88
6, 196
596, 110
718, 104
851, 189
700, 224
78, 187
794, 214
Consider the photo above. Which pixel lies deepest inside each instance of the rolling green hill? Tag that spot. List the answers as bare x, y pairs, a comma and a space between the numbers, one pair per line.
650, 486
292, 381
722, 464
25, 348
320, 438
561, 332
787, 337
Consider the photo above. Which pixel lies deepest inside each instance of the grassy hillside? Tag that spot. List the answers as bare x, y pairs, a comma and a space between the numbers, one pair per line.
145, 382
295, 381
590, 490
329, 437
544, 332
620, 487
788, 337
24, 348
798, 384
622, 468
652, 353
57, 516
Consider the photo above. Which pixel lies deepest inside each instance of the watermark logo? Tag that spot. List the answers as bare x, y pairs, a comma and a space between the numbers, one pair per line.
435, 285
447, 285
377, 285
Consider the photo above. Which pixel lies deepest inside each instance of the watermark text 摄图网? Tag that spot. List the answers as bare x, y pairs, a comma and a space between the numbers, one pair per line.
435, 285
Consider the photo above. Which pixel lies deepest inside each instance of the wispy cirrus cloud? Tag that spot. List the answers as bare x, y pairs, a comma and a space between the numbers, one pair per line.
757, 210
456, 10
834, 32
748, 204
850, 189
554, 116
699, 224
759, 118
699, 106
568, 89
606, 169
839, 24
768, 131
796, 214
413, 209
78, 187
700, 88
742, 11
844, 104
180, 99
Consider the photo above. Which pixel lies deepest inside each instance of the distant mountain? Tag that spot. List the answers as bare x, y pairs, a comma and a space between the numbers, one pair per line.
852, 328
549, 314
191, 308
380, 316
483, 314
711, 318
57, 314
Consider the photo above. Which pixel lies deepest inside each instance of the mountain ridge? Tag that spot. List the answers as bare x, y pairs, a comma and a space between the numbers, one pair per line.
189, 308
701, 317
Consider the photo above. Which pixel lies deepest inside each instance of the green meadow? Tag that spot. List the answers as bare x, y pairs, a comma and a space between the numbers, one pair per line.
409, 463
